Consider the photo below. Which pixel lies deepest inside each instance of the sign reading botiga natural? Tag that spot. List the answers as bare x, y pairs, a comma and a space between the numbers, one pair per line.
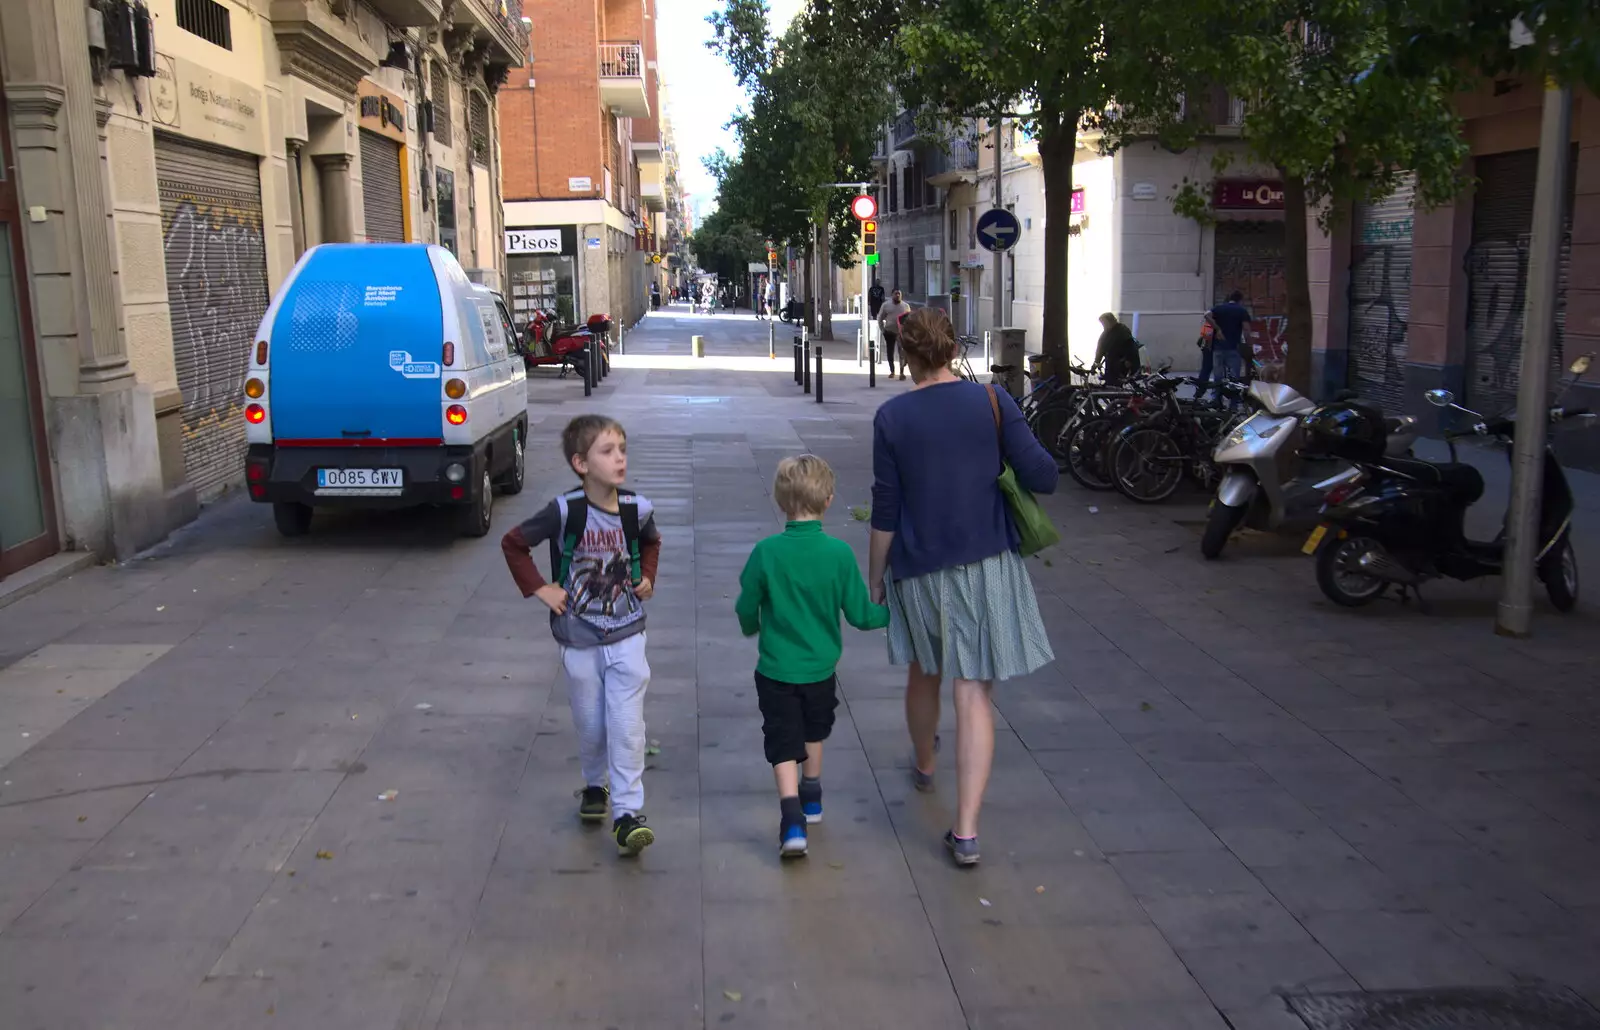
195, 101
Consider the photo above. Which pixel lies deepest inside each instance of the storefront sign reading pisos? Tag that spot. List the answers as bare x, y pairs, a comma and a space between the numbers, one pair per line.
194, 101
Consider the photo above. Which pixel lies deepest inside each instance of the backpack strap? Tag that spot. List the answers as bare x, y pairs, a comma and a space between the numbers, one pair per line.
571, 532
628, 509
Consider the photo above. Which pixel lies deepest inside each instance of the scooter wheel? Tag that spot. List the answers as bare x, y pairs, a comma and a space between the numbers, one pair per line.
1220, 524
1559, 571
1341, 579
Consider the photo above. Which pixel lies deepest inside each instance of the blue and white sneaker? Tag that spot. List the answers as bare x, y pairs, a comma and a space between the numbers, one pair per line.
812, 810
792, 841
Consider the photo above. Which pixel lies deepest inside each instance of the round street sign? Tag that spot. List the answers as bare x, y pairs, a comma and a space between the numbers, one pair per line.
998, 229
864, 207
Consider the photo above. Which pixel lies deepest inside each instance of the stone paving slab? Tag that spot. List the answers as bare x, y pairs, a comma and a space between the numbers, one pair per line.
1223, 791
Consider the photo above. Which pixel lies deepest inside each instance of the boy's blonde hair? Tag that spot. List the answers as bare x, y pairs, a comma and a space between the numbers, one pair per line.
803, 485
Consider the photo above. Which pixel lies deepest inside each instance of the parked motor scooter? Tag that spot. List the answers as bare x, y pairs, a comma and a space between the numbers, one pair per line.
550, 343
1267, 481
1401, 522
793, 312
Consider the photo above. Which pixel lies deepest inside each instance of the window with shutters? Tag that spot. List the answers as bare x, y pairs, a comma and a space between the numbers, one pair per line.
478, 119
207, 19
894, 192
441, 103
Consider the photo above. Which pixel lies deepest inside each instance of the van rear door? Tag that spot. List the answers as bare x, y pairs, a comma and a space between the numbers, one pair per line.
357, 346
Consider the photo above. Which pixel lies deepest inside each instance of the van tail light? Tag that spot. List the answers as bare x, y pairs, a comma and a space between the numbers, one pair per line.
255, 414
455, 389
255, 472
254, 388
456, 415
261, 352
449, 353
258, 491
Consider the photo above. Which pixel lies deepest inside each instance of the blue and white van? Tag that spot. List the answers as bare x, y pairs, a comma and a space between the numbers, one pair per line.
382, 377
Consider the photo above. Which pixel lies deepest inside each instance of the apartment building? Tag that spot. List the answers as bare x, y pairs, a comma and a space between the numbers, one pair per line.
167, 161
586, 162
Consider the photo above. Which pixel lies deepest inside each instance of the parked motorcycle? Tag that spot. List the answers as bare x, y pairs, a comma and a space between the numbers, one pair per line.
793, 312
1393, 521
1267, 479
551, 343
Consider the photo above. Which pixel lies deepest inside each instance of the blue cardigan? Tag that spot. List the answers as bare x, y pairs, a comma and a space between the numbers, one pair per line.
935, 459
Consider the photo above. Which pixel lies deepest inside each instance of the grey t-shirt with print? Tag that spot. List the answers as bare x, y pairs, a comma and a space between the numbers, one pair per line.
602, 607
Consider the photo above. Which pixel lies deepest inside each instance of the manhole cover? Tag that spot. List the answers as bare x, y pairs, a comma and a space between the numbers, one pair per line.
1523, 1008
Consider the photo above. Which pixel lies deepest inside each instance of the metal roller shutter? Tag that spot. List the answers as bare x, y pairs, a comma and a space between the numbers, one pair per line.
380, 188
1380, 297
217, 288
1497, 278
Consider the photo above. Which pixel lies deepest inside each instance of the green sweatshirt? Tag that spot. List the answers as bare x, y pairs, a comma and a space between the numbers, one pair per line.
792, 591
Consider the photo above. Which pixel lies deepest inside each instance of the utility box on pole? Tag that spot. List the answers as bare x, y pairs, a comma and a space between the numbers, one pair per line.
1013, 351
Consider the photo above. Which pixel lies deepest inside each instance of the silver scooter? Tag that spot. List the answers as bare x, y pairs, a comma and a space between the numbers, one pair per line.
1267, 482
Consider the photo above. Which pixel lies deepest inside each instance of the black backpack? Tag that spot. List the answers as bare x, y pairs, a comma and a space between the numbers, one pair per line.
578, 520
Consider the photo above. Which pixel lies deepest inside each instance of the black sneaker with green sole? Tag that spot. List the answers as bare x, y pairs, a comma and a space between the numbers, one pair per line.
633, 836
592, 802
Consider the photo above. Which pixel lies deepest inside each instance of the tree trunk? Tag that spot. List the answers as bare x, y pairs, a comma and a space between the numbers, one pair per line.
824, 281
1058, 144
1297, 279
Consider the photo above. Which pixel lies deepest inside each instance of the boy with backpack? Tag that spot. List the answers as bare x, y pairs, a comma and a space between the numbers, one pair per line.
604, 552
792, 591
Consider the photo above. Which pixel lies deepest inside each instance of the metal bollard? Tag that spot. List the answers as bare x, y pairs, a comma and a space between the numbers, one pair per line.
819, 373
588, 368
872, 367
772, 341
799, 359
805, 365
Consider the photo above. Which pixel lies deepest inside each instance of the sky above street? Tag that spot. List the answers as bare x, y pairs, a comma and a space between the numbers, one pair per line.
702, 95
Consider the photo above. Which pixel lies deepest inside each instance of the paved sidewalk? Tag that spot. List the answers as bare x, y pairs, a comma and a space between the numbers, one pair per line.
1223, 790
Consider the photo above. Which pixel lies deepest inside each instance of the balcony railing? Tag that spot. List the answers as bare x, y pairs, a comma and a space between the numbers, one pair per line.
905, 129
621, 61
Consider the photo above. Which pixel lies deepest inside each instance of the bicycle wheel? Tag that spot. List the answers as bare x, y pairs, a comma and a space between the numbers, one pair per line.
1084, 450
1048, 423
1146, 464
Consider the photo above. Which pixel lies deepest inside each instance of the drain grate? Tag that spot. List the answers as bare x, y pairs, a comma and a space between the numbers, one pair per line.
1522, 1008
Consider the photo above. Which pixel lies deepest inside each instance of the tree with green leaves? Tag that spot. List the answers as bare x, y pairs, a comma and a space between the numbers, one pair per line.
819, 95
726, 246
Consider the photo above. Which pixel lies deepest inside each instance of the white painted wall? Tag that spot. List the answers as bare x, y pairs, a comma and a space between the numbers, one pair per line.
1092, 255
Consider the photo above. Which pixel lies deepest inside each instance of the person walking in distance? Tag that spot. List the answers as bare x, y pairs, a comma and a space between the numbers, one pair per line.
875, 298
1117, 352
604, 551
944, 553
772, 297
1228, 320
889, 317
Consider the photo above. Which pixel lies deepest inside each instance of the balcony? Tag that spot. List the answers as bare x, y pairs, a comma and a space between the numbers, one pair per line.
904, 132
622, 82
647, 153
957, 162
653, 194
496, 27
413, 14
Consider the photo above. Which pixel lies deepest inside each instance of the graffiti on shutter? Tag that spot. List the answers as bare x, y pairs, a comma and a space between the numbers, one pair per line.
216, 266
1497, 278
1380, 297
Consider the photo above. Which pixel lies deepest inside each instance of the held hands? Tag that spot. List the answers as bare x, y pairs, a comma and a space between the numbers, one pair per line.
644, 589
554, 598
877, 592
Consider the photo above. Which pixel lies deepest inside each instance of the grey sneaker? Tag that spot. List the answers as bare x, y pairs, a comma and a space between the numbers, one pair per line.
965, 852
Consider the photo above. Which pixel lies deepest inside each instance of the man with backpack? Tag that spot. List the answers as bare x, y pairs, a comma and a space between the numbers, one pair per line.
1117, 352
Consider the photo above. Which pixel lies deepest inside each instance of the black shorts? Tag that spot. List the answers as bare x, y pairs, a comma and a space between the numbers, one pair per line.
793, 714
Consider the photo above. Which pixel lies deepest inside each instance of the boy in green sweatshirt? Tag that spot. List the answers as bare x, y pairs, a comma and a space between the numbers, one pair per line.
791, 592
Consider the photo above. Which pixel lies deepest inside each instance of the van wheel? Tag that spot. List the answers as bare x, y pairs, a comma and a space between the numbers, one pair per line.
293, 519
512, 484
475, 517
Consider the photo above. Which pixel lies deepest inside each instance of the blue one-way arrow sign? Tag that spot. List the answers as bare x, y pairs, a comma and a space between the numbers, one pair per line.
998, 229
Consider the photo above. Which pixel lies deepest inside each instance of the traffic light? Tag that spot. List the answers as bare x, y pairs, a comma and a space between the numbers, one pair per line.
869, 239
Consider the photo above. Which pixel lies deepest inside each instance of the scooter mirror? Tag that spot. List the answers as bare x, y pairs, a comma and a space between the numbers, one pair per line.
1581, 365
1440, 398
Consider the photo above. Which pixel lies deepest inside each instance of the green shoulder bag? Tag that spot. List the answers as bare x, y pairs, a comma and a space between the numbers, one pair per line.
1033, 525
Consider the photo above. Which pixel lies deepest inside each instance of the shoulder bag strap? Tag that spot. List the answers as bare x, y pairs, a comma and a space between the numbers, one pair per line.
577, 521
628, 509
999, 432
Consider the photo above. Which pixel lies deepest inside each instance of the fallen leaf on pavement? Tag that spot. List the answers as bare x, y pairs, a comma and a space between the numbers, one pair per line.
83, 818
984, 902
733, 995
324, 855
388, 795
1038, 890
835, 865
1145, 706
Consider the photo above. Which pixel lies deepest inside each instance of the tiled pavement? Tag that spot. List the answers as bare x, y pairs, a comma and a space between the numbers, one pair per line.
1222, 790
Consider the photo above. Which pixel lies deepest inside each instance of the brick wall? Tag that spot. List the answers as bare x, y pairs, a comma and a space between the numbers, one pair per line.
556, 130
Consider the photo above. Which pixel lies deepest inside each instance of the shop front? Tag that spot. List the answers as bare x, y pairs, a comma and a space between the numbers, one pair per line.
542, 269
208, 170
27, 516
1248, 256
382, 132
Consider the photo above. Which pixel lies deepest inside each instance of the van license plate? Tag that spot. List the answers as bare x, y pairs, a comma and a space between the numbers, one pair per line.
1315, 539
365, 482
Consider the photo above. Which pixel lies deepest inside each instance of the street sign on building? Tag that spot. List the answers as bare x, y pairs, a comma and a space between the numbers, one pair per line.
998, 229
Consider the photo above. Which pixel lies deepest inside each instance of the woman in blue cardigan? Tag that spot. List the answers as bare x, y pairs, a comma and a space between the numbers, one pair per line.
944, 555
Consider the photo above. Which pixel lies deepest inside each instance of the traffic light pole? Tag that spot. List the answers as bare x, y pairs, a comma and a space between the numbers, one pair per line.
999, 255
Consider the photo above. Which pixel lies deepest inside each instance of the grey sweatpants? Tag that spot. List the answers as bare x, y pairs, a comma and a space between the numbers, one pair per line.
606, 687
